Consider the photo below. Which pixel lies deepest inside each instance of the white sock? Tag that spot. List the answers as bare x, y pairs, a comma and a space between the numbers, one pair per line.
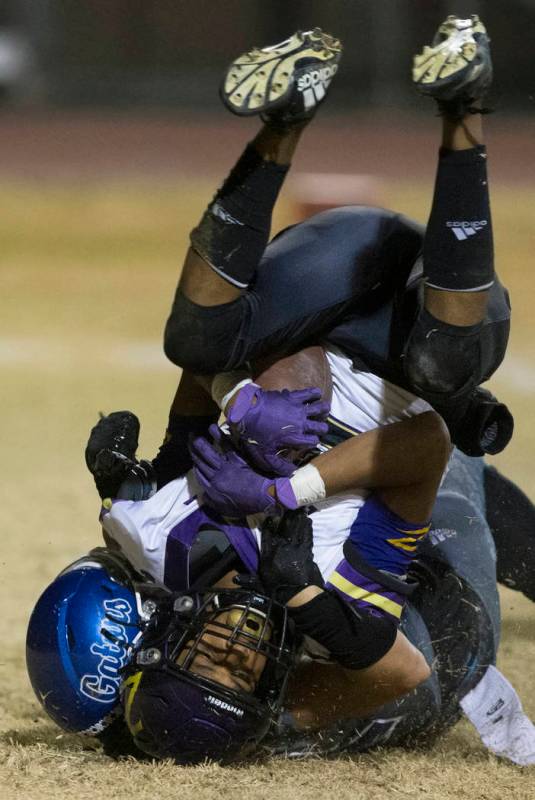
495, 710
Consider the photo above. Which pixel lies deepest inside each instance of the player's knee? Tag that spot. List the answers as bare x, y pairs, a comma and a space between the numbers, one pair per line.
197, 338
180, 348
192, 352
420, 673
416, 671
433, 368
442, 359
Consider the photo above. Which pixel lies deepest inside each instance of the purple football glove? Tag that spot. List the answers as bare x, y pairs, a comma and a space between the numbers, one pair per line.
229, 484
269, 423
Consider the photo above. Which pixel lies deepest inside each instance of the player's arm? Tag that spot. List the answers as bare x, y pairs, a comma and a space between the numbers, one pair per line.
191, 414
405, 460
110, 452
321, 694
378, 660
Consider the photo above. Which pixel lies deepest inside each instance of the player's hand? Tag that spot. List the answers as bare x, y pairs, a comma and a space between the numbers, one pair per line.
286, 560
230, 485
267, 424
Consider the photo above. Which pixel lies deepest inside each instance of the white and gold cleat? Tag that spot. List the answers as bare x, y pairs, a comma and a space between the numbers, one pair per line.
456, 69
285, 82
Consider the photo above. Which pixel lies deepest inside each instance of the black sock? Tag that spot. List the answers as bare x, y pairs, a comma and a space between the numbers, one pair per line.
234, 230
458, 247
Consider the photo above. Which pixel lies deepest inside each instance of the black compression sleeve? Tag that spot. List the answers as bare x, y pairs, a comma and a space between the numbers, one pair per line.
458, 246
354, 641
173, 459
511, 518
234, 230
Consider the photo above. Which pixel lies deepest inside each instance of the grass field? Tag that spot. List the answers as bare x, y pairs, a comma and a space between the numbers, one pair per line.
88, 272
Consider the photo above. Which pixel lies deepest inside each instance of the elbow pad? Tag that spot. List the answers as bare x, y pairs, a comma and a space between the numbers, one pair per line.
355, 641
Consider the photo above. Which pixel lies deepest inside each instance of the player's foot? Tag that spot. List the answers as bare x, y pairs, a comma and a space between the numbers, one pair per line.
284, 83
110, 456
457, 69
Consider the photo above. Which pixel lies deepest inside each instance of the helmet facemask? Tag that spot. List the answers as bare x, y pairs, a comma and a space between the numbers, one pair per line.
215, 660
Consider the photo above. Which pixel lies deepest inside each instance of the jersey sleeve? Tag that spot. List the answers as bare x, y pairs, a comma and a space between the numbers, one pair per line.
142, 529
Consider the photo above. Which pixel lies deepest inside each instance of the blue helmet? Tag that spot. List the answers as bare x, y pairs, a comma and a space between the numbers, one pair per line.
172, 711
79, 639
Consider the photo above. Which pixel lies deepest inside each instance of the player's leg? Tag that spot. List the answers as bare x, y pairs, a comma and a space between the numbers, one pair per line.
308, 275
227, 245
443, 353
458, 249
461, 189
284, 84
511, 518
461, 537
322, 694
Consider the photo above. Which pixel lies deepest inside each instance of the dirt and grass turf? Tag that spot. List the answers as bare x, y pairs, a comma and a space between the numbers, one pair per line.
88, 272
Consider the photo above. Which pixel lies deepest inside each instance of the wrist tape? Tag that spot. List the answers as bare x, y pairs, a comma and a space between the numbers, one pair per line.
307, 485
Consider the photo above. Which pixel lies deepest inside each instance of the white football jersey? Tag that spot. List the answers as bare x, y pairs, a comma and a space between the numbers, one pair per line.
157, 534
361, 401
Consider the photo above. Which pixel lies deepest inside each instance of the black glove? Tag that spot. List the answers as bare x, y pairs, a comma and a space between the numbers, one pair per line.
110, 456
118, 431
286, 562
118, 477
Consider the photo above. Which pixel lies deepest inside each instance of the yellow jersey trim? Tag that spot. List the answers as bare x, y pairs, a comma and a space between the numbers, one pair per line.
357, 593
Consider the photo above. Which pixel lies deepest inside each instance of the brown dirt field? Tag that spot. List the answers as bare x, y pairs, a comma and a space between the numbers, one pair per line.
89, 266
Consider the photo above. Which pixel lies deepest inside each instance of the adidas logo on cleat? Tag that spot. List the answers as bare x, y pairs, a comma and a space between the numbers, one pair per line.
315, 76
463, 230
284, 82
314, 84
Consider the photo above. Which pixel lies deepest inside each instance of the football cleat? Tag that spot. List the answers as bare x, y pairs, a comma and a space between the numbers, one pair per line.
284, 83
457, 69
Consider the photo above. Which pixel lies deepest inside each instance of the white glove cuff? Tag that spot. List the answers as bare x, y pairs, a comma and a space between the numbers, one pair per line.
226, 384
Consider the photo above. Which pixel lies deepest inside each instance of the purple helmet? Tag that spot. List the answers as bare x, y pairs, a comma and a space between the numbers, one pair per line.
173, 711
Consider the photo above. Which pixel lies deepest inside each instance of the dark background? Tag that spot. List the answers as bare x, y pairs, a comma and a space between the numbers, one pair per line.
168, 53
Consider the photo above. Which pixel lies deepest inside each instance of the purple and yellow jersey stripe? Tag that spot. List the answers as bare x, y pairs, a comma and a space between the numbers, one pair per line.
409, 542
364, 592
384, 539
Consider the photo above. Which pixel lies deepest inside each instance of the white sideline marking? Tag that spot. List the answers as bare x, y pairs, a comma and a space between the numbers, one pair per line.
516, 372
52, 354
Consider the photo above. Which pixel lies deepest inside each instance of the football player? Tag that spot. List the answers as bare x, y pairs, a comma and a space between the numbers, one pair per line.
437, 326
454, 619
207, 455
175, 539
460, 610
